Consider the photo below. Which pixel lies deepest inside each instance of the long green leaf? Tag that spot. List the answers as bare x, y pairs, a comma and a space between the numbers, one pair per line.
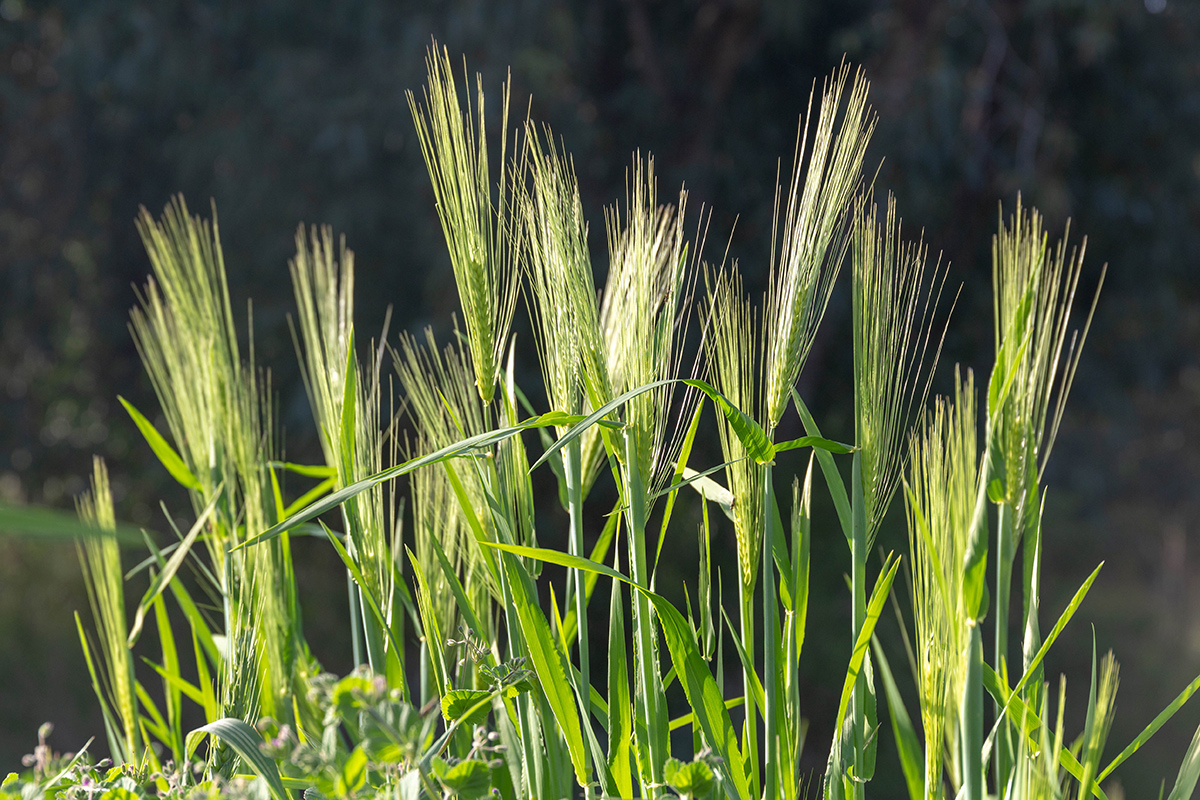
49, 523
168, 571
908, 747
166, 454
1152, 728
549, 662
815, 442
1189, 771
833, 478
245, 742
1030, 725
553, 418
698, 683
874, 609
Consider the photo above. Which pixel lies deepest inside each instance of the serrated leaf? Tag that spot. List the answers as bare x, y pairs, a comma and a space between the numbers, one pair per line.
468, 780
458, 702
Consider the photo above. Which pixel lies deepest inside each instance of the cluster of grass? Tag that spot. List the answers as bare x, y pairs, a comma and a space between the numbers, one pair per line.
478, 676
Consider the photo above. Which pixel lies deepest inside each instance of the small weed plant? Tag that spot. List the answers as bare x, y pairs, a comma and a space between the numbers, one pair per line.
480, 677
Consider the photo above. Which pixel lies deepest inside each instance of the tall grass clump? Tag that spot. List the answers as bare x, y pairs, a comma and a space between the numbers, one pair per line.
478, 672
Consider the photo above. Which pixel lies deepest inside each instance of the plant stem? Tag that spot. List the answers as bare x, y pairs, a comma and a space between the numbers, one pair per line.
750, 742
858, 586
635, 499
572, 473
971, 718
1005, 555
770, 643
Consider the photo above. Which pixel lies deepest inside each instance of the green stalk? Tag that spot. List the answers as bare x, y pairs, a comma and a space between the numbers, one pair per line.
355, 620
770, 643
750, 743
652, 702
1005, 555
971, 719
573, 476
858, 587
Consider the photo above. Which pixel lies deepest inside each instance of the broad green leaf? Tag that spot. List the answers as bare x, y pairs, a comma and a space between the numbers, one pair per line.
467, 780
166, 454
307, 470
457, 702
749, 432
434, 642
747, 662
245, 742
353, 775
620, 721
1030, 725
460, 594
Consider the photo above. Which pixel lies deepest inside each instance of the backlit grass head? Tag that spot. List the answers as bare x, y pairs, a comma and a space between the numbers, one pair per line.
894, 304
641, 308
479, 227
1034, 291
810, 236
941, 491
733, 349
562, 290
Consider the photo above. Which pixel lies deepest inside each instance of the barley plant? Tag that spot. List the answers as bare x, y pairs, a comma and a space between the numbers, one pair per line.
480, 673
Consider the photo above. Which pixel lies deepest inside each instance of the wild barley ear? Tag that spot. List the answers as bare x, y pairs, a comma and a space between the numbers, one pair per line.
941, 490
733, 349
1034, 291
481, 230
100, 558
559, 270
323, 283
651, 265
809, 235
563, 292
895, 302
344, 400
443, 403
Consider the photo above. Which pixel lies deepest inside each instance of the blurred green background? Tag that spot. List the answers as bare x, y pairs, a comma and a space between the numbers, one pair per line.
293, 110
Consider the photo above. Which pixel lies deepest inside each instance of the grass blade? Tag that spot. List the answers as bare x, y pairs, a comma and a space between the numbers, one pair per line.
245, 741
549, 662
908, 747
166, 454
168, 571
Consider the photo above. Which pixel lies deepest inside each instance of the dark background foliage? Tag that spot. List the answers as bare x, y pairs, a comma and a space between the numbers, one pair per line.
293, 110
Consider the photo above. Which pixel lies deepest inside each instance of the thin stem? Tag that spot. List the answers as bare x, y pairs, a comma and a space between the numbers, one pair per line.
573, 475
858, 579
971, 718
750, 742
770, 643
355, 619
1005, 555
635, 498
